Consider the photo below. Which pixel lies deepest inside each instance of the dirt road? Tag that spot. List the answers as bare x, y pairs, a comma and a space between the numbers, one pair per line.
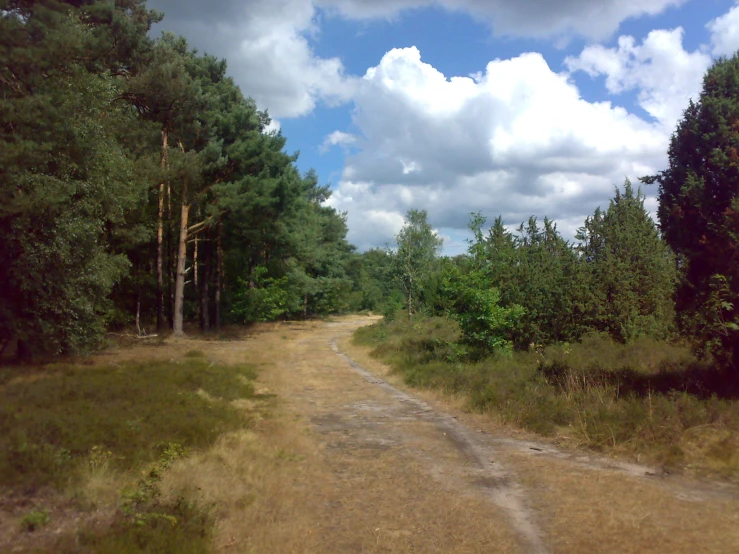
367, 466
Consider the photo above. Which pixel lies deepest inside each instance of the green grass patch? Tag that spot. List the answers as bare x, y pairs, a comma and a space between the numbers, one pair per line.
34, 520
147, 522
60, 424
189, 531
53, 422
645, 397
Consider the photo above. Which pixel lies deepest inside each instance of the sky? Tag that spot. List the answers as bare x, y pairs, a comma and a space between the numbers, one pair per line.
504, 107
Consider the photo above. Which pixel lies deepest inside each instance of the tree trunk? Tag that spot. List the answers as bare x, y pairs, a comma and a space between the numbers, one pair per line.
171, 270
204, 292
138, 312
171, 255
410, 300
195, 264
160, 239
219, 275
252, 284
305, 306
6, 342
179, 290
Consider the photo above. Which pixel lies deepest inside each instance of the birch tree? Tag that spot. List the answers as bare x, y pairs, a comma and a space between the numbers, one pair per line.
418, 247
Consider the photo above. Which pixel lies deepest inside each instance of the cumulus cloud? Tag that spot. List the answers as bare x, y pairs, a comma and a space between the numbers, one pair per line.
725, 33
594, 19
515, 140
267, 50
270, 56
663, 73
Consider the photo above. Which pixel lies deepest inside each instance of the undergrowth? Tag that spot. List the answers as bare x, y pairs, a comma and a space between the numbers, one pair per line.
61, 425
51, 421
148, 521
644, 398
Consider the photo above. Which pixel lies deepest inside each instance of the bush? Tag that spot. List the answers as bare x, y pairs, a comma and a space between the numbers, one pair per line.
484, 323
35, 519
267, 301
645, 397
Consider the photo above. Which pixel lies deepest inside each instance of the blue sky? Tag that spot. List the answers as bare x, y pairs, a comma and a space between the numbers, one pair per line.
364, 90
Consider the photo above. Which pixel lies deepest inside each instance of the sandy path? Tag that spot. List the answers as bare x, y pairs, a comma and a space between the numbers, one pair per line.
398, 456
346, 459
398, 477
483, 473
349, 460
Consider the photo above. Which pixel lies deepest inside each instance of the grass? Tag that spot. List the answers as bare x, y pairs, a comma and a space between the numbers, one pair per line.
35, 519
84, 432
646, 398
189, 532
50, 424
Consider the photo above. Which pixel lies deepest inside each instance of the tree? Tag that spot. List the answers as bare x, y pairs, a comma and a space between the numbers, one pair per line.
699, 212
130, 168
535, 269
486, 326
631, 270
65, 178
418, 246
164, 93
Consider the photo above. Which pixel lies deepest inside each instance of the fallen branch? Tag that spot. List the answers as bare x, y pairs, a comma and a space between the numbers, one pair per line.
133, 336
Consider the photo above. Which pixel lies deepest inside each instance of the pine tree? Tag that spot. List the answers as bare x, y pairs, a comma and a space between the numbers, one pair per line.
631, 270
699, 212
165, 93
65, 178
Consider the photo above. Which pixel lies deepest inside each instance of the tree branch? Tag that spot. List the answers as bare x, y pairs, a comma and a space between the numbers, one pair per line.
203, 224
133, 336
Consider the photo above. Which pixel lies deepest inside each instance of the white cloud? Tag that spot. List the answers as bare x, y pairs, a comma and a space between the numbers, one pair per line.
269, 54
267, 50
594, 19
273, 127
338, 138
725, 33
664, 74
516, 140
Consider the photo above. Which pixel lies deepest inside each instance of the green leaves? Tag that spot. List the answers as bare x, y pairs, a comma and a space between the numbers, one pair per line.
485, 325
417, 249
631, 272
699, 196
268, 300
65, 176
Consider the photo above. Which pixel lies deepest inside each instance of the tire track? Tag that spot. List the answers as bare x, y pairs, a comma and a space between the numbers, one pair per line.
495, 481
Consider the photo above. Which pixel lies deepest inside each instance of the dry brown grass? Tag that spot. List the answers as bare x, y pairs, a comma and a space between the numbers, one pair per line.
600, 511
249, 480
283, 487
286, 488
589, 510
316, 474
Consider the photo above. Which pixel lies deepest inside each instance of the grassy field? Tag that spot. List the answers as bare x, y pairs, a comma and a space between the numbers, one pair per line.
649, 400
93, 442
